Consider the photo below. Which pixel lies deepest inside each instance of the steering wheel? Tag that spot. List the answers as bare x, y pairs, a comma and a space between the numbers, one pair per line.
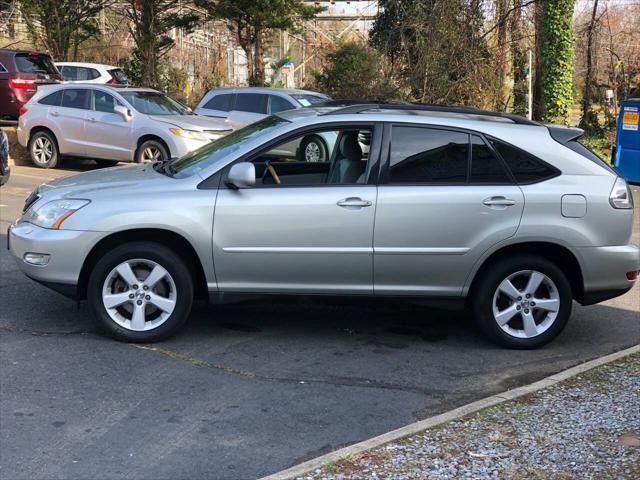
272, 171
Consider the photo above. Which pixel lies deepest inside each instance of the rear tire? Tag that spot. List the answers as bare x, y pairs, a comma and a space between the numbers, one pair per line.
313, 149
43, 150
507, 316
152, 151
140, 292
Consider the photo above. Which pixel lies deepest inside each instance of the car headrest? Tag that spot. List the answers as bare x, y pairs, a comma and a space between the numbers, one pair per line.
349, 146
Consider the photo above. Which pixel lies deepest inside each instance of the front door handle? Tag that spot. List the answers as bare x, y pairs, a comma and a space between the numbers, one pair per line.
498, 202
353, 202
55, 114
92, 119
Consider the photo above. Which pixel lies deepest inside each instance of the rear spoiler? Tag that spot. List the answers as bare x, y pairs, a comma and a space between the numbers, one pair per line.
564, 135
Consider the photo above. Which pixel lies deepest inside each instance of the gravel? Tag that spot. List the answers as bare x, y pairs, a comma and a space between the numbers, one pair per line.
587, 427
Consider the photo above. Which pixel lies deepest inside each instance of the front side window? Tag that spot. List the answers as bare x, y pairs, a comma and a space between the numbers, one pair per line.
251, 102
222, 102
428, 156
525, 167
103, 102
75, 98
154, 103
335, 156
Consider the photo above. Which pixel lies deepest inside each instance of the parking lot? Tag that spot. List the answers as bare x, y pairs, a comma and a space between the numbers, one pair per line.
245, 390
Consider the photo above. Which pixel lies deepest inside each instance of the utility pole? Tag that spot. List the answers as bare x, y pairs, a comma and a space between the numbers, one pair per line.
530, 89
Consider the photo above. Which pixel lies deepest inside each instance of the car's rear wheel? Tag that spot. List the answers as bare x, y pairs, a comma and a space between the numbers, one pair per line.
152, 151
522, 301
313, 149
140, 292
43, 150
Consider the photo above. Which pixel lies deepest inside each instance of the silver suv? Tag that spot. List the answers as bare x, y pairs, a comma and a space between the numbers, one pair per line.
511, 218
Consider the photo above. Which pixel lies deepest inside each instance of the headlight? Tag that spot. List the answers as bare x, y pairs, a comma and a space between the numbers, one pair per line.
52, 214
191, 134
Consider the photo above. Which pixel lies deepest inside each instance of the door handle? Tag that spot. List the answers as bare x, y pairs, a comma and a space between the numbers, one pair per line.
353, 202
498, 202
55, 114
91, 119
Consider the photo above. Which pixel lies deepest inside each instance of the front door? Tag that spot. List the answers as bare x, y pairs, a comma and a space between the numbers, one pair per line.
446, 199
107, 134
305, 227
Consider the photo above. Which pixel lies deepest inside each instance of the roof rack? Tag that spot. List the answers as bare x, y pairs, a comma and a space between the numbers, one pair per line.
351, 107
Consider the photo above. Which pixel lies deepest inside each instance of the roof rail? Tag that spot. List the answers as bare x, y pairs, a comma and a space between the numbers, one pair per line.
351, 107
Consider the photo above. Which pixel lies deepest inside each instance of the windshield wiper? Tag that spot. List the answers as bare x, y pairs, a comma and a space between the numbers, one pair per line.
164, 167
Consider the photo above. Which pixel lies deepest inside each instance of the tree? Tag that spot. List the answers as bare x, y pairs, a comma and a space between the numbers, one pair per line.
589, 120
150, 24
557, 59
339, 79
251, 19
61, 26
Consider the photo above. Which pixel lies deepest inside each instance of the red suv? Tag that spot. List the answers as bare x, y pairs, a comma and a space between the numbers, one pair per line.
20, 74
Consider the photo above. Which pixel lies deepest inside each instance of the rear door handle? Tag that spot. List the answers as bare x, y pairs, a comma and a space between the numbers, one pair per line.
498, 202
91, 119
353, 202
55, 114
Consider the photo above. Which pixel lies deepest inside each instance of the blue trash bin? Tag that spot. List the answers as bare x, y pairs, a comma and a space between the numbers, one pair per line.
626, 158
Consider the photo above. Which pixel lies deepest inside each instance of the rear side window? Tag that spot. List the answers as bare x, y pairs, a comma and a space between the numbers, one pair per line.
427, 156
525, 167
75, 98
79, 73
118, 75
2, 69
53, 99
222, 102
279, 104
485, 167
29, 63
251, 102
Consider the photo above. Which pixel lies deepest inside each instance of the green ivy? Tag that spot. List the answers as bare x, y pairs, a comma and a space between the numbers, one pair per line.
557, 56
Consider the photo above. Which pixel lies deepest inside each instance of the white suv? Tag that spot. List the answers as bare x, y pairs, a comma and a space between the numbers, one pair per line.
111, 124
75, 72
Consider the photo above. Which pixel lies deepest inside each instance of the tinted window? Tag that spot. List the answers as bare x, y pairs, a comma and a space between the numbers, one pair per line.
79, 73
485, 167
2, 69
279, 104
75, 98
117, 74
425, 155
103, 102
251, 102
222, 102
28, 63
53, 99
525, 167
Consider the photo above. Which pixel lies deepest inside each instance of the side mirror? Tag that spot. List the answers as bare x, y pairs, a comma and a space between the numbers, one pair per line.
123, 111
242, 175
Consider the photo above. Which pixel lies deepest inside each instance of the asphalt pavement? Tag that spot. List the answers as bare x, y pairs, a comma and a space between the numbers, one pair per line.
245, 390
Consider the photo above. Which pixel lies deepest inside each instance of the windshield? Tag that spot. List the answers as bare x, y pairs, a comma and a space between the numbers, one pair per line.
306, 100
220, 149
154, 103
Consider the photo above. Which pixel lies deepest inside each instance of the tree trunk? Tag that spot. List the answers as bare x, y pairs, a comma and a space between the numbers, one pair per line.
589, 120
148, 50
538, 101
501, 54
258, 63
519, 72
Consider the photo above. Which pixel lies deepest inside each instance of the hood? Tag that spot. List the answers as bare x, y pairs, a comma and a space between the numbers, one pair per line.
194, 122
106, 181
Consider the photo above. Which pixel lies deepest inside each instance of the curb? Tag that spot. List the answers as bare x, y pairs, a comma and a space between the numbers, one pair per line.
413, 428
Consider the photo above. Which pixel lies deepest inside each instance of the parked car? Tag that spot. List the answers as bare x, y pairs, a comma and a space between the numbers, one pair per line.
5, 169
241, 106
512, 218
21, 72
111, 124
78, 72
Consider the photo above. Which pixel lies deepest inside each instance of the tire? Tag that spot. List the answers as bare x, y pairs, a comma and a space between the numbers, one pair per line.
313, 149
511, 319
151, 151
43, 149
172, 289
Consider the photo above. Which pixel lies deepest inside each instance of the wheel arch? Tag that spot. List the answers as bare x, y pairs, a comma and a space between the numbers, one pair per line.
554, 252
42, 128
168, 238
150, 136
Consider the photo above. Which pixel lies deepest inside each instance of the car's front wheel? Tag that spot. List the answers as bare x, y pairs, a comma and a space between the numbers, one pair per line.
140, 292
151, 151
523, 301
313, 149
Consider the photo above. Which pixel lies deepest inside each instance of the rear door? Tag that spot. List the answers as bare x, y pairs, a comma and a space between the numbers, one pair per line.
107, 134
70, 119
444, 200
248, 108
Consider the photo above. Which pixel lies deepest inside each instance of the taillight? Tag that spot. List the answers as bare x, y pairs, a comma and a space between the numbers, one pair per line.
22, 111
631, 276
21, 83
620, 196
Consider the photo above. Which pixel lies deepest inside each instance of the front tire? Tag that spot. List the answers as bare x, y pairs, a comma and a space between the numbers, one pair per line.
43, 150
151, 151
140, 292
522, 302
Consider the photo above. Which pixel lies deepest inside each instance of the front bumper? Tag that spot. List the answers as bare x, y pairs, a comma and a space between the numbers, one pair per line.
67, 250
181, 146
604, 271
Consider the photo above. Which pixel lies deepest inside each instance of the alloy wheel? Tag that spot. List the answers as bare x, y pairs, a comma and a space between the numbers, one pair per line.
526, 304
151, 154
139, 294
42, 150
312, 152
